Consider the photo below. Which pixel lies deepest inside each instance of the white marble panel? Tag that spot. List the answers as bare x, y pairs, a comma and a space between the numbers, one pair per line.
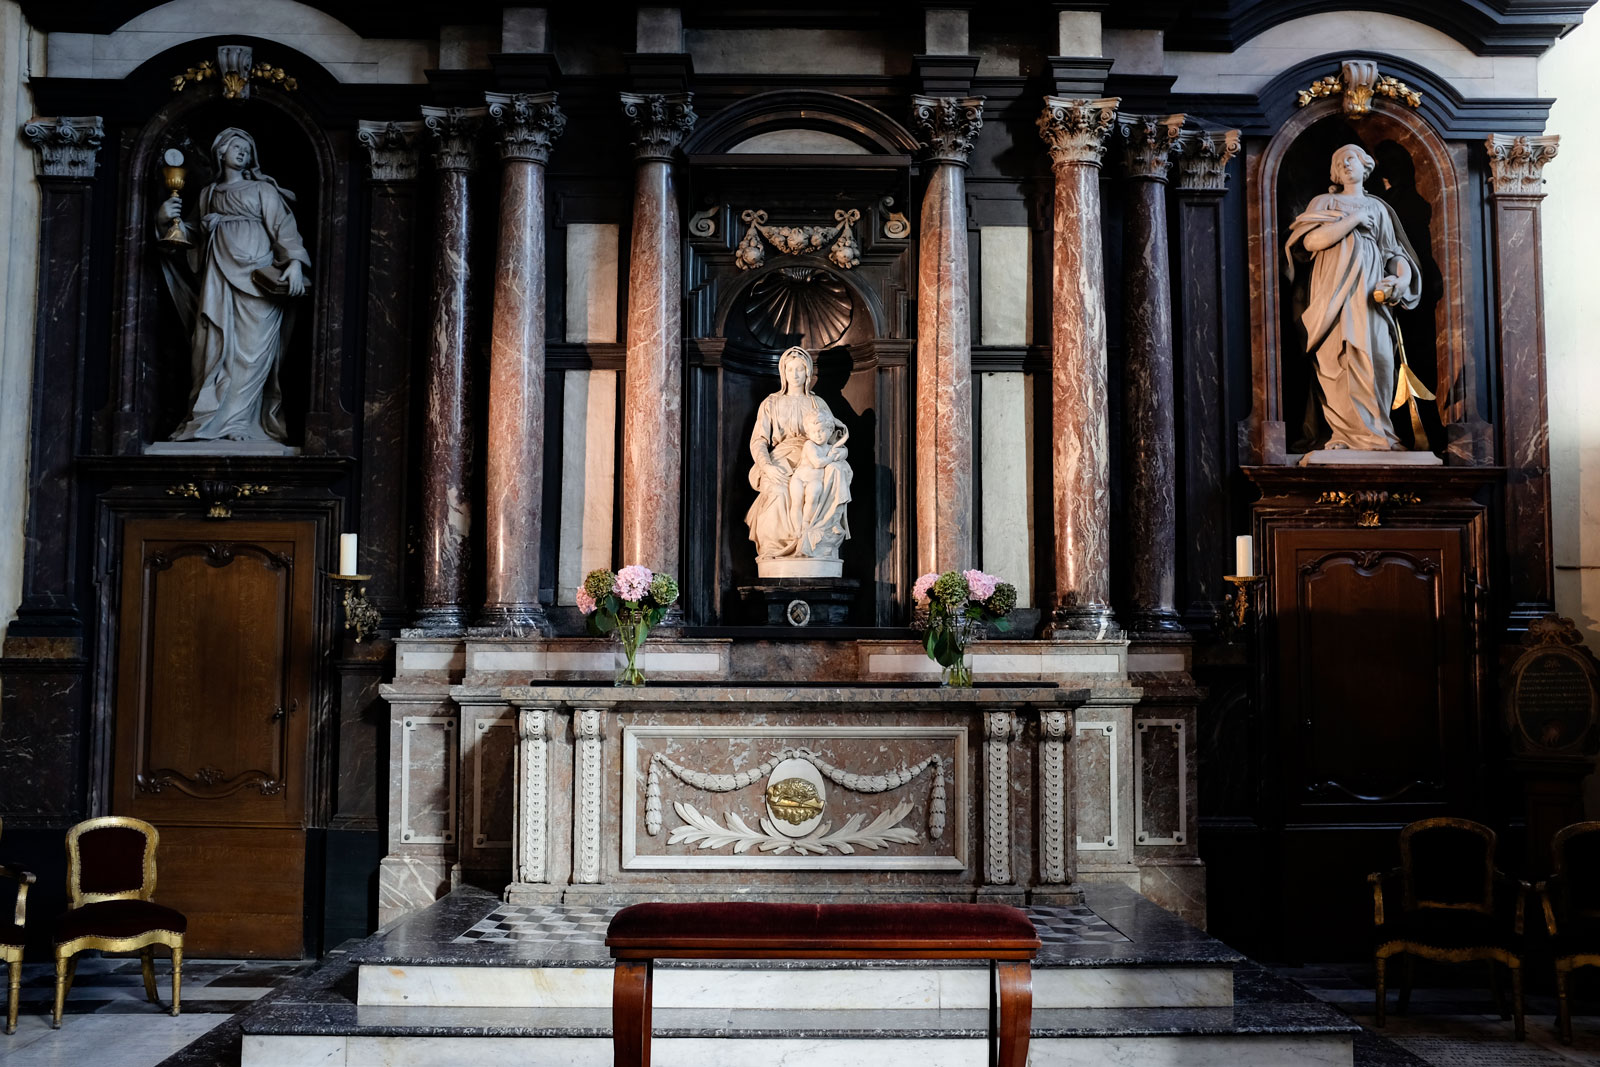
794, 51
292, 1050
588, 477
1005, 458
1078, 33
1007, 286
408, 657
486, 987
680, 662
798, 142
482, 1052
944, 31
1207, 1050
811, 1052
348, 56
1099, 987
21, 50
1260, 59
592, 282
1157, 661
525, 29
1042, 664
580, 661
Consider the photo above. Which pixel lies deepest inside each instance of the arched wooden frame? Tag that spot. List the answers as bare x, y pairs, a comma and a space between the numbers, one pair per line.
1441, 172
329, 428
808, 109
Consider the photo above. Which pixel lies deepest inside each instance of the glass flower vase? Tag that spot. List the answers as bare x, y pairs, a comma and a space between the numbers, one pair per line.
629, 635
955, 664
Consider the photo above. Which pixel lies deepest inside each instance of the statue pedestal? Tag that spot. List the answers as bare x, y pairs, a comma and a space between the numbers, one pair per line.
1352, 457
800, 601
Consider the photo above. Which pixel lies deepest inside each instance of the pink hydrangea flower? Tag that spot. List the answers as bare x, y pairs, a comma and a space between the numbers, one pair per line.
919, 592
633, 582
586, 602
981, 584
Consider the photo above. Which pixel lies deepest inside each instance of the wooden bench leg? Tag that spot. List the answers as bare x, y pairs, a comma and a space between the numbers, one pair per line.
630, 1013
1010, 1012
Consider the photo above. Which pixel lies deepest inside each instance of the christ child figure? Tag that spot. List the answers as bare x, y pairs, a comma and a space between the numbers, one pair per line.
817, 454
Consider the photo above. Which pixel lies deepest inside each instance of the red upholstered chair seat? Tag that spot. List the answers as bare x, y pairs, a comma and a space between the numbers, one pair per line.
117, 918
763, 928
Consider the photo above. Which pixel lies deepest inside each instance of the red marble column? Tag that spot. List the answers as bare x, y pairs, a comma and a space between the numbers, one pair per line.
652, 416
1148, 419
527, 124
1516, 169
948, 126
447, 420
1074, 132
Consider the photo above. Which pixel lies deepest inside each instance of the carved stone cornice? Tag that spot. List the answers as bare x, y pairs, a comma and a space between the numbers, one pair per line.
69, 147
1075, 131
948, 125
455, 135
1516, 164
1148, 144
661, 121
392, 150
1203, 157
528, 124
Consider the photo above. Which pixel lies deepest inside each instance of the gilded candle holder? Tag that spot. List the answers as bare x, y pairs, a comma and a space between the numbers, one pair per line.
359, 613
1241, 608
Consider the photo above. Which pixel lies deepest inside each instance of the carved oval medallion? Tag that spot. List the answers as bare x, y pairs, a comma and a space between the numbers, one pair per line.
795, 797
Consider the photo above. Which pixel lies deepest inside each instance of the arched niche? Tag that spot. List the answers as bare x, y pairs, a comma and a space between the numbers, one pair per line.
1424, 178
800, 122
153, 376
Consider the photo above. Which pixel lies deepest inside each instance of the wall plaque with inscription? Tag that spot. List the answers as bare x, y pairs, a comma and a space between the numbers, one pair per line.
1553, 693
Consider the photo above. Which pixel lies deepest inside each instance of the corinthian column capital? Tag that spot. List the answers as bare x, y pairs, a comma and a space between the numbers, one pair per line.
527, 124
392, 152
1203, 157
455, 136
1075, 131
1148, 144
948, 125
69, 147
661, 121
1516, 164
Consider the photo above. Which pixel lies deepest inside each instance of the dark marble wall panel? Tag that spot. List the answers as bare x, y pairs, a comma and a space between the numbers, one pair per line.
363, 719
43, 737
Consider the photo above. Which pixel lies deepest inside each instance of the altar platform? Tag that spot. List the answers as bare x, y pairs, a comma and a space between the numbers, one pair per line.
472, 979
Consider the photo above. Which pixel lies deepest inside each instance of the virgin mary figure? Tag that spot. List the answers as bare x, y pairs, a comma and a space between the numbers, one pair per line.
246, 260
798, 528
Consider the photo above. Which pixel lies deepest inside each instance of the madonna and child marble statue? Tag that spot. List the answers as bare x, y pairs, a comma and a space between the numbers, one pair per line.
801, 476
1362, 268
245, 263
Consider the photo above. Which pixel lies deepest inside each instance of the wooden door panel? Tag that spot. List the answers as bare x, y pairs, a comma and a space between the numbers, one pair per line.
242, 889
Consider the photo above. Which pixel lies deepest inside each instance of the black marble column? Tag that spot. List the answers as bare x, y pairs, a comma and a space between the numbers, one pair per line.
392, 163
1516, 168
447, 423
1148, 418
947, 126
652, 398
1205, 541
527, 124
68, 150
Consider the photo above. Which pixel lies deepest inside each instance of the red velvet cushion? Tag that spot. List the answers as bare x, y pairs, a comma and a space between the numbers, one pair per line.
764, 927
11, 934
117, 918
112, 859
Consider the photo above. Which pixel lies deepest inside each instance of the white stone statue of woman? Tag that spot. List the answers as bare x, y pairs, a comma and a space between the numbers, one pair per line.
246, 261
802, 478
1358, 249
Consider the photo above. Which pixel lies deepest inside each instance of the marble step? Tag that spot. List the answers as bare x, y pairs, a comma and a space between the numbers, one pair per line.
1255, 1035
884, 986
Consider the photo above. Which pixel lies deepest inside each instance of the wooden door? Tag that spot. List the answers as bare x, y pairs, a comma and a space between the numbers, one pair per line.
213, 703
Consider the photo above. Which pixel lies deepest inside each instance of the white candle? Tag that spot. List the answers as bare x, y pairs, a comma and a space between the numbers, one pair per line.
347, 553
1244, 556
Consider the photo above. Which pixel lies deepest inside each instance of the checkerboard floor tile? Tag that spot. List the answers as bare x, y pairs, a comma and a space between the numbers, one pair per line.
567, 923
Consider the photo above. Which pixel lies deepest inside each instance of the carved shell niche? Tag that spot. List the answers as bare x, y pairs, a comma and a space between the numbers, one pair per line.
798, 305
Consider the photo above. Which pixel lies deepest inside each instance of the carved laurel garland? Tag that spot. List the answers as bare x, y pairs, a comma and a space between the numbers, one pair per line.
844, 251
882, 831
727, 783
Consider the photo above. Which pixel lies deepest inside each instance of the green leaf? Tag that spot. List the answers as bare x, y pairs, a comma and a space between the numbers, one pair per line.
604, 621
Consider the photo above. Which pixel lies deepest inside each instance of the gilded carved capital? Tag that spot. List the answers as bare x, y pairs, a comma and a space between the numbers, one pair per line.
455, 135
948, 125
1203, 157
1075, 131
69, 147
392, 149
1148, 143
661, 121
528, 124
1516, 164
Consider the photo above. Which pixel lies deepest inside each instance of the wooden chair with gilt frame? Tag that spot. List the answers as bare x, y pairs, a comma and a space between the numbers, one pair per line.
1448, 902
12, 939
111, 876
1571, 899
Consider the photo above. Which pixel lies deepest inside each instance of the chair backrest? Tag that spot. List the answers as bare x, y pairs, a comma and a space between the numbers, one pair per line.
111, 858
1575, 870
1448, 863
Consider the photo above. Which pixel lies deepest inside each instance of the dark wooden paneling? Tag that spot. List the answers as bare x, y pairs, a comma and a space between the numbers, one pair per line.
242, 889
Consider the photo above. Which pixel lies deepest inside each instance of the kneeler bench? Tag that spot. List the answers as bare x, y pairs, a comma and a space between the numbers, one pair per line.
643, 933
